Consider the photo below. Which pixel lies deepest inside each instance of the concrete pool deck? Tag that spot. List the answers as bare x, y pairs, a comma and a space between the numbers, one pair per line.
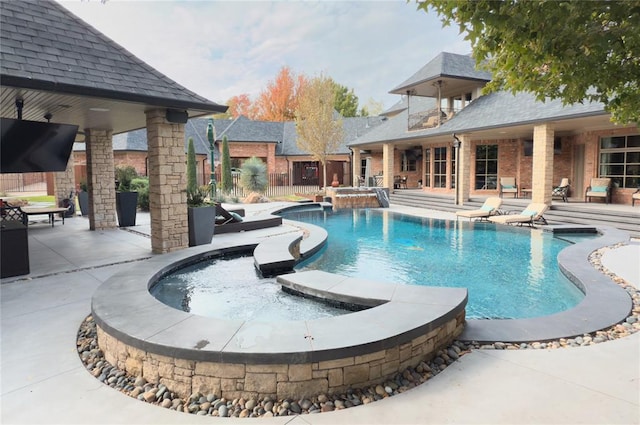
43, 380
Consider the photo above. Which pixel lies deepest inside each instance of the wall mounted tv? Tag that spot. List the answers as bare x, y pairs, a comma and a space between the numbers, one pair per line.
33, 146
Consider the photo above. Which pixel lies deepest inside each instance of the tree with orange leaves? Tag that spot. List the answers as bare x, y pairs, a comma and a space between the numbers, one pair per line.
279, 100
240, 105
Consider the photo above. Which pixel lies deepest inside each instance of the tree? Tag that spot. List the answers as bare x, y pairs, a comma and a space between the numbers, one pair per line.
279, 100
241, 105
319, 132
345, 101
570, 50
253, 175
227, 178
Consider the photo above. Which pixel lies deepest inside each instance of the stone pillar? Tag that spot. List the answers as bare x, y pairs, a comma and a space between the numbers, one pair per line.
355, 167
463, 162
100, 179
65, 182
542, 176
167, 184
387, 165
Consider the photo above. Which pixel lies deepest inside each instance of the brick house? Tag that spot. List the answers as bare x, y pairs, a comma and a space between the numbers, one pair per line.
273, 142
444, 130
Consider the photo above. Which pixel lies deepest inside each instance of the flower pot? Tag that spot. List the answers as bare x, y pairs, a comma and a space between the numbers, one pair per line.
126, 208
83, 200
202, 222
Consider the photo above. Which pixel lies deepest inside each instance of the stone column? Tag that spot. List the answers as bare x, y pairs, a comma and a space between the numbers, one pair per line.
463, 162
100, 179
355, 167
65, 182
542, 176
387, 165
167, 184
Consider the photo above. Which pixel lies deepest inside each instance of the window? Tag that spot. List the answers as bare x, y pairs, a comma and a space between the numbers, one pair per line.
440, 167
620, 160
363, 167
409, 162
427, 168
486, 167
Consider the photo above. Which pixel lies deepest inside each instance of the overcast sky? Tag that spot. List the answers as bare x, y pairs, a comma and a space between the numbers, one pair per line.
219, 49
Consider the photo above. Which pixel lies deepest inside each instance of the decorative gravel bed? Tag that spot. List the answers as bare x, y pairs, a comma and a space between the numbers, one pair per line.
210, 404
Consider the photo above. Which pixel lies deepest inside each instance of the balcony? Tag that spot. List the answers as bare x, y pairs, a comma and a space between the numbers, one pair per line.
429, 119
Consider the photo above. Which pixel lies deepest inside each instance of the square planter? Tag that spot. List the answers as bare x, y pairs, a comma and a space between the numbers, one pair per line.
126, 208
202, 222
83, 200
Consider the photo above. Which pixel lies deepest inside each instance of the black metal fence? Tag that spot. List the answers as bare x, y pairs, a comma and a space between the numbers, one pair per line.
280, 184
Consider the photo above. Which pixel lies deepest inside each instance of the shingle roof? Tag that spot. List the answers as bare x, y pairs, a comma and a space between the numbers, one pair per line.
44, 46
445, 65
244, 130
499, 109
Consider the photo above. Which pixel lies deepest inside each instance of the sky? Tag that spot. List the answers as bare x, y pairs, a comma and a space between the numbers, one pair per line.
220, 49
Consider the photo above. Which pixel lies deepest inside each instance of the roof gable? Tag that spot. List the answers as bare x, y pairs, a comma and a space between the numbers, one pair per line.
445, 65
44, 46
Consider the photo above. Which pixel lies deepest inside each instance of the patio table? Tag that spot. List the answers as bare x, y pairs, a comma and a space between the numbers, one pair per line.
50, 211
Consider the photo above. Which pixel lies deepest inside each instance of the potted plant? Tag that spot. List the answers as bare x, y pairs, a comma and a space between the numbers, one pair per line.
201, 215
126, 198
83, 198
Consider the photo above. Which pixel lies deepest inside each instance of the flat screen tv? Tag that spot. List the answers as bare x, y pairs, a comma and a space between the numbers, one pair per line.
33, 146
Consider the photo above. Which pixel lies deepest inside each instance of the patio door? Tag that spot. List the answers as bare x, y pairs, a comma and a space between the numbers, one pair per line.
577, 183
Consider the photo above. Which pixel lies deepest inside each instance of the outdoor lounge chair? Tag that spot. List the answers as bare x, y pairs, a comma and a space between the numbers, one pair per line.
489, 208
508, 185
529, 215
635, 197
230, 221
599, 188
562, 190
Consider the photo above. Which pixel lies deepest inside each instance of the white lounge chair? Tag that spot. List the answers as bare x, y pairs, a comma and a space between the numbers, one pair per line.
534, 212
489, 208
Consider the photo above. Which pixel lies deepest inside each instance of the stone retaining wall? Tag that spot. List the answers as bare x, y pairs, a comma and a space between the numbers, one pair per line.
234, 380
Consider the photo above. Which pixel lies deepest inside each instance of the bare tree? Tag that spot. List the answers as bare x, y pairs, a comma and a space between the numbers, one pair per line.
318, 125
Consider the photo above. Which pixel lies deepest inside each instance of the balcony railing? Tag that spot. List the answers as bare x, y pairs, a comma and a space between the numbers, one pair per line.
429, 119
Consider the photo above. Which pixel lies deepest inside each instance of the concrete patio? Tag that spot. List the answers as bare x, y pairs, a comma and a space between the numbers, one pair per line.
43, 380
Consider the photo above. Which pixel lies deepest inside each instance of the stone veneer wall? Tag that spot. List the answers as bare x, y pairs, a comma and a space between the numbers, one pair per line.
234, 380
65, 181
100, 179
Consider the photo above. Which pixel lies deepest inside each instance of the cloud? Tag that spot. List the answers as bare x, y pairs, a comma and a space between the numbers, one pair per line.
220, 49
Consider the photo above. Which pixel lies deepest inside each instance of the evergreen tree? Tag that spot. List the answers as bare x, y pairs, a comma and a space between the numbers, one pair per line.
227, 178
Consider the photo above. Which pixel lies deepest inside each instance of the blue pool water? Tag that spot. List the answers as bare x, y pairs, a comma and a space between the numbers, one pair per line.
509, 272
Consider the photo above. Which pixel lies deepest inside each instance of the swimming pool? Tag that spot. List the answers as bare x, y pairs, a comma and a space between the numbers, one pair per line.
510, 272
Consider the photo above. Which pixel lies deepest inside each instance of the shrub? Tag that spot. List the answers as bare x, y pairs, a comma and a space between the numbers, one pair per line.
253, 176
141, 185
124, 176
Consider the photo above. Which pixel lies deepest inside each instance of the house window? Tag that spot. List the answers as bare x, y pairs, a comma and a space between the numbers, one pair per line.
440, 167
409, 162
486, 167
427, 168
363, 167
620, 160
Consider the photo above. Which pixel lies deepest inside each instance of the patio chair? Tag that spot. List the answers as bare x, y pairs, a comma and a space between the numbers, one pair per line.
534, 212
489, 208
599, 188
562, 190
635, 197
508, 185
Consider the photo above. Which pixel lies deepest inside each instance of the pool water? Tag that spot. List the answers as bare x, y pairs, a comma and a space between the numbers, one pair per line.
230, 288
510, 272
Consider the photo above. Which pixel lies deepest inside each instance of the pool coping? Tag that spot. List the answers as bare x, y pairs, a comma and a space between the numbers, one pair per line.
124, 308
